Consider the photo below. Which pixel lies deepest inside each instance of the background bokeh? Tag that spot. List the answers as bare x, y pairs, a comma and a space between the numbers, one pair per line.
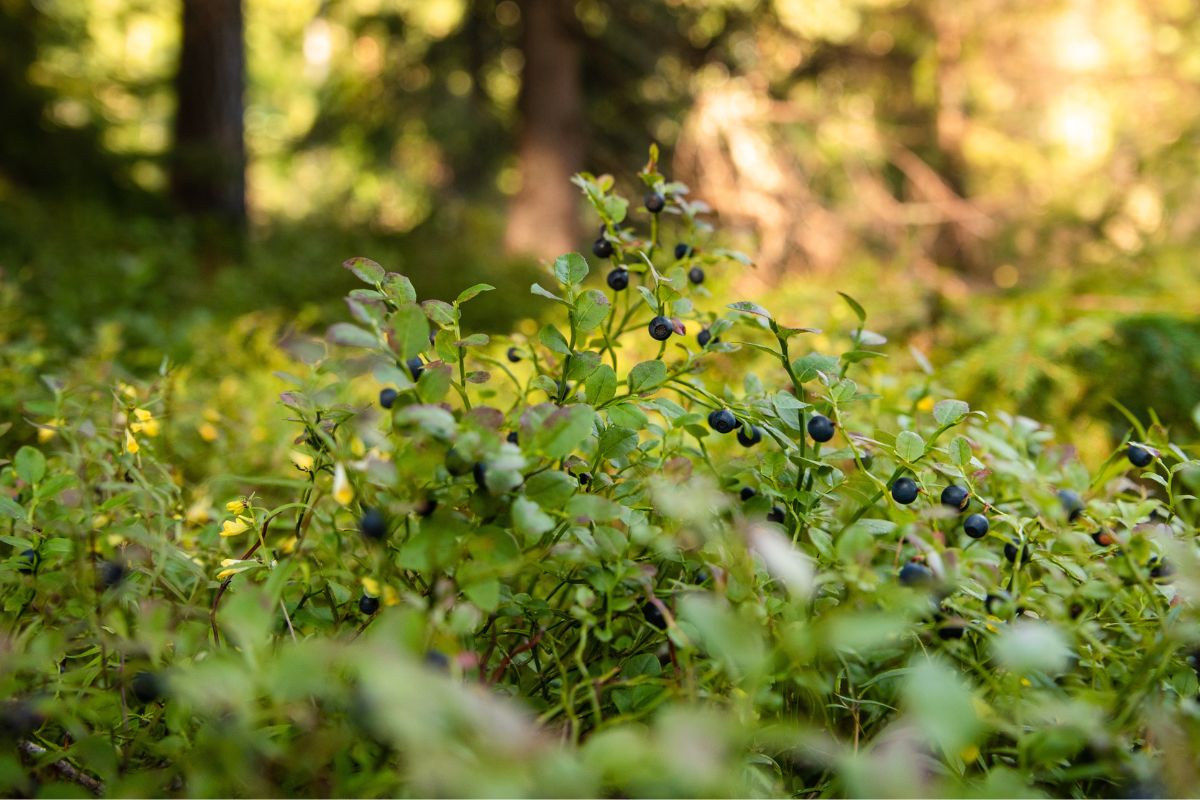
1008, 186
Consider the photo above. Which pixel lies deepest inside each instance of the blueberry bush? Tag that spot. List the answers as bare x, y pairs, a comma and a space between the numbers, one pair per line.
659, 545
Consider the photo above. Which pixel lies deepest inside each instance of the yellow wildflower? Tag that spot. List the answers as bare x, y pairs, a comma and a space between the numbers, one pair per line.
343, 492
238, 506
390, 597
100, 521
212, 415
198, 512
303, 461
288, 545
208, 432
131, 444
49, 430
146, 423
370, 587
234, 527
925, 403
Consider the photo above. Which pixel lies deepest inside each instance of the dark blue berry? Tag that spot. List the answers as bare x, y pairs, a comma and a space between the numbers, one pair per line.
955, 497
1071, 504
722, 420
951, 630
373, 524
776, 515
1010, 552
682, 251
696, 275
976, 526
746, 493
654, 202
602, 248
618, 279
513, 355
425, 506
513, 438
1139, 456
705, 336
661, 329
654, 616
996, 598
904, 491
416, 367
111, 573
749, 435
914, 574
368, 604
387, 397
479, 471
147, 687
820, 428
29, 562
438, 660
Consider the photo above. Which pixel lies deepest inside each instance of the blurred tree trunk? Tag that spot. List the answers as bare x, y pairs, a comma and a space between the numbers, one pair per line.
208, 170
543, 219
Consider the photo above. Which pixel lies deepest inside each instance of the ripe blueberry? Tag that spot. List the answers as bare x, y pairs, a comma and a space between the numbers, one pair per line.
618, 279
425, 506
147, 687
479, 471
705, 336
820, 428
976, 526
513, 355
660, 329
776, 515
682, 251
722, 420
29, 562
416, 367
602, 248
387, 397
1139, 456
1010, 552
952, 630
373, 524
994, 599
1162, 570
1071, 504
956, 497
368, 605
513, 438
696, 275
438, 660
746, 493
111, 573
654, 202
915, 574
749, 435
584, 478
654, 616
904, 491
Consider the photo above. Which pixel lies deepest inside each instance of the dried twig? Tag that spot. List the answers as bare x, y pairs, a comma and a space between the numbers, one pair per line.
64, 768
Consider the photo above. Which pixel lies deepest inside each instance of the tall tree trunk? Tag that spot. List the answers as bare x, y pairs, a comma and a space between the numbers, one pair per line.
208, 177
543, 219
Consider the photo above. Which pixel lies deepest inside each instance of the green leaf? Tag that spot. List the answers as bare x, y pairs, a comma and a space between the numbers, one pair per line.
750, 308
647, 375
570, 269
555, 341
399, 287
474, 340
549, 295
960, 451
485, 594
601, 385
591, 308
807, 367
30, 464
10, 508
564, 430
434, 383
855, 307
909, 446
365, 270
410, 331
592, 508
344, 333
950, 412
529, 521
474, 291
440, 312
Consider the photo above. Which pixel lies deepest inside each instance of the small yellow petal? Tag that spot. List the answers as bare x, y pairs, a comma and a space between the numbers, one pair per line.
237, 506
234, 527
198, 512
225, 573
371, 586
303, 461
925, 403
142, 414
150, 427
100, 521
390, 597
288, 546
208, 432
969, 753
1026, 682
131, 444
343, 492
